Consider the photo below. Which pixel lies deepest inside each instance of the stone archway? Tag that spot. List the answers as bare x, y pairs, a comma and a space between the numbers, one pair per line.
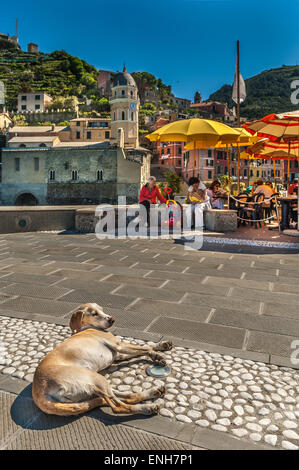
26, 199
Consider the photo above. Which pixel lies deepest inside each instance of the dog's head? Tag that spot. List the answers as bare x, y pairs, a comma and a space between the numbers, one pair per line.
90, 315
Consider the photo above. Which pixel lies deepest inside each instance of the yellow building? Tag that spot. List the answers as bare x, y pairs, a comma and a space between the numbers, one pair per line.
86, 130
33, 102
5, 121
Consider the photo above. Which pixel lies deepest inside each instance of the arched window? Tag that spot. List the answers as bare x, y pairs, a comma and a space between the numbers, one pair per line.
132, 116
131, 93
52, 175
42, 145
123, 115
74, 175
21, 146
122, 92
100, 175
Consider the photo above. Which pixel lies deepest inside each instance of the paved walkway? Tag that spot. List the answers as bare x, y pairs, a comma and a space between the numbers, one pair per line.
224, 302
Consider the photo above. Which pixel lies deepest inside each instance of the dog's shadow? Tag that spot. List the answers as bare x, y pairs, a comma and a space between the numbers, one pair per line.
26, 414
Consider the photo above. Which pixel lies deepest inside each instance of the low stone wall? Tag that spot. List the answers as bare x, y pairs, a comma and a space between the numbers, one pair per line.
218, 220
34, 219
86, 218
214, 220
83, 218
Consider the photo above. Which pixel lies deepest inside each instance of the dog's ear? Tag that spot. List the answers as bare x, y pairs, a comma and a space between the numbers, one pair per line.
76, 321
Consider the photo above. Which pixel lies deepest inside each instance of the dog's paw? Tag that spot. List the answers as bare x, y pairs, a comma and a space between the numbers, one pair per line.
164, 346
159, 391
155, 408
158, 359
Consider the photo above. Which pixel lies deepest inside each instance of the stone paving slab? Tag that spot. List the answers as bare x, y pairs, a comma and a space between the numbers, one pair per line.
160, 308
94, 287
234, 303
105, 300
233, 282
287, 299
11, 277
145, 292
240, 319
35, 290
215, 334
281, 310
35, 305
274, 344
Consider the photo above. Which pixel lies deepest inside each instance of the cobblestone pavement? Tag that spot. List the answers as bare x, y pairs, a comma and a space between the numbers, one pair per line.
232, 313
247, 399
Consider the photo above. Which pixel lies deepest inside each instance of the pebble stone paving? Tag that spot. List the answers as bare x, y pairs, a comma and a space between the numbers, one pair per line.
249, 400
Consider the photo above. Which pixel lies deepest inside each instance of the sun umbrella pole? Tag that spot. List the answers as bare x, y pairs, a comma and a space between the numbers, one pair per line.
228, 167
289, 164
239, 165
194, 157
274, 170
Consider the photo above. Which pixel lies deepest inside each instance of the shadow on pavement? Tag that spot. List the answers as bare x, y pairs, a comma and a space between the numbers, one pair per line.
26, 414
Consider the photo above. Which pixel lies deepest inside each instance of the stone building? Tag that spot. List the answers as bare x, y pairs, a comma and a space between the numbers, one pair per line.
72, 174
32, 48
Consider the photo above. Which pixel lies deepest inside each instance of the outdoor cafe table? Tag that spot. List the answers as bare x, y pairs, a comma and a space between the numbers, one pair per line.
286, 203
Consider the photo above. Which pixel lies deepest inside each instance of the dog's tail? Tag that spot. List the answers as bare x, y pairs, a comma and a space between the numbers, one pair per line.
53, 407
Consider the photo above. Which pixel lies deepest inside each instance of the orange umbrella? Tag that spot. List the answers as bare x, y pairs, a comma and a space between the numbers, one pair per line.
276, 127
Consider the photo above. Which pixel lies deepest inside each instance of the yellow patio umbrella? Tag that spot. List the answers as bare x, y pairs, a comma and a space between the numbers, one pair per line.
204, 132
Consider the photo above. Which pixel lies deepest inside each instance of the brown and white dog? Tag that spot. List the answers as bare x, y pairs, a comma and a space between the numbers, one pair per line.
66, 382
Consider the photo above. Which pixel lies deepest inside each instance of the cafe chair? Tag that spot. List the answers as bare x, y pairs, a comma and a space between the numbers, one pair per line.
255, 212
273, 208
240, 206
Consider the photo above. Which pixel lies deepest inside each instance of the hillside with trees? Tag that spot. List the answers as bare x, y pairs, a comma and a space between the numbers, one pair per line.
267, 92
57, 73
64, 77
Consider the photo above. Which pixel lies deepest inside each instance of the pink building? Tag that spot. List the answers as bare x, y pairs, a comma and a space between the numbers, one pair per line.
104, 82
174, 155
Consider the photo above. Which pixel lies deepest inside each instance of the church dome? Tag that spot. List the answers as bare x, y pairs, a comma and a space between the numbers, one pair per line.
124, 79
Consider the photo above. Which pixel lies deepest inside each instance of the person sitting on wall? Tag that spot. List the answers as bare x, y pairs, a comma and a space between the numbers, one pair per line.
198, 202
148, 196
216, 195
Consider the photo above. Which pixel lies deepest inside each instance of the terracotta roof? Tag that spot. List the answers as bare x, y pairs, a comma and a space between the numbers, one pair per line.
206, 103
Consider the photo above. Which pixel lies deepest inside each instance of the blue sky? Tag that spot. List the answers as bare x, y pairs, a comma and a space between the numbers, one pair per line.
190, 44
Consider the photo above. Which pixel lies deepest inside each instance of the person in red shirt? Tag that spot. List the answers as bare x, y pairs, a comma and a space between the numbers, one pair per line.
149, 194
293, 189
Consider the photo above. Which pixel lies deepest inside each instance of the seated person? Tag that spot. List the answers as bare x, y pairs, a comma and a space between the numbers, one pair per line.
266, 190
198, 202
148, 196
216, 194
293, 189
